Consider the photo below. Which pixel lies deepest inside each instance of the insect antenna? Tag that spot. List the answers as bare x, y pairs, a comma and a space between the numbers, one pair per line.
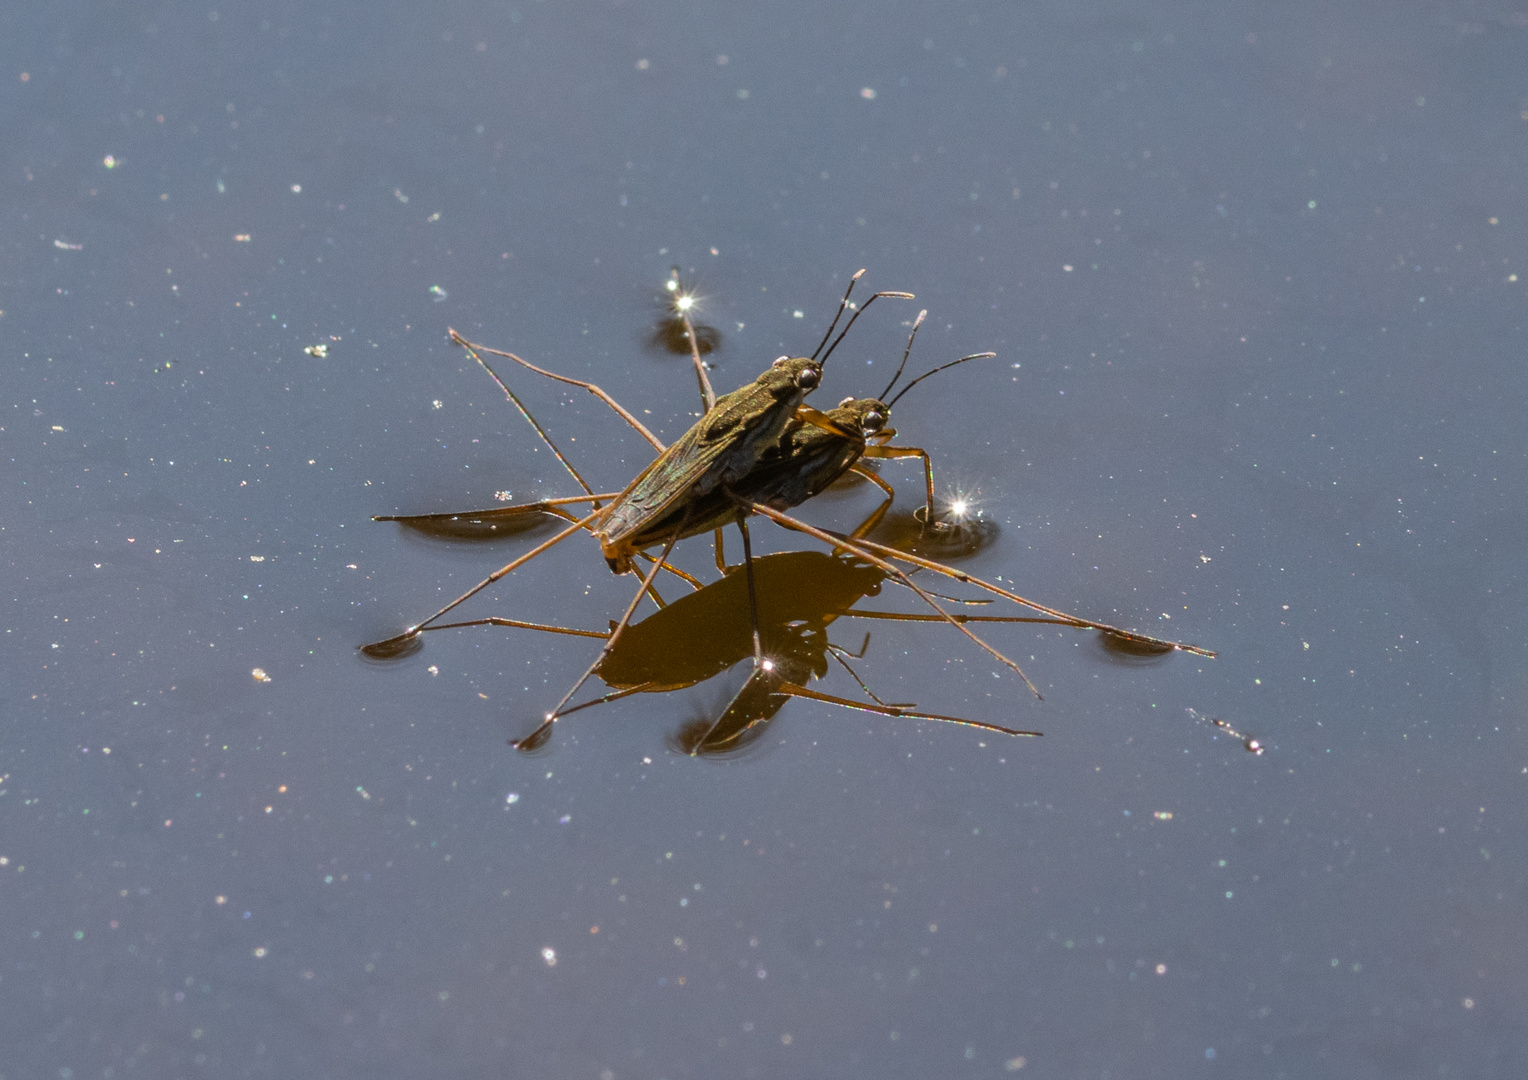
905, 354
858, 312
843, 304
935, 371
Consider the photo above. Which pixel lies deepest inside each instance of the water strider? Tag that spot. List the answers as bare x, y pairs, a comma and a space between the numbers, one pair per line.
660, 504
655, 506
809, 451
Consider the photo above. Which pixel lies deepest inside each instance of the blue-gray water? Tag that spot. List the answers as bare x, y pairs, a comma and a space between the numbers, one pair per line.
1256, 275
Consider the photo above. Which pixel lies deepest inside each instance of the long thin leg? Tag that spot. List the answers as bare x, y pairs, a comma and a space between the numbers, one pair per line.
784, 688
669, 568
759, 663
683, 300
859, 550
910, 616
566, 464
707, 395
595, 390
753, 598
866, 527
898, 616
796, 690
863, 649
721, 556
393, 644
550, 507
838, 654
1071, 620
495, 620
928, 470
614, 695
707, 400
541, 506
540, 735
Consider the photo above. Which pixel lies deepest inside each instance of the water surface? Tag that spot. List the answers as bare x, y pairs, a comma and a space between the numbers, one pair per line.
1254, 278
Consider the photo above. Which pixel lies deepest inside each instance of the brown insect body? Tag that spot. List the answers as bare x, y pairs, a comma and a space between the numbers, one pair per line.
674, 492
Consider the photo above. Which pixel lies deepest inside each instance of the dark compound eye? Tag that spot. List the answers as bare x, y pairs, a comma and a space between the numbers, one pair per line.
809, 378
873, 422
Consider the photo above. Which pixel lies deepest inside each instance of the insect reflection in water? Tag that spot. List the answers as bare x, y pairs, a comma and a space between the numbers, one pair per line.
706, 633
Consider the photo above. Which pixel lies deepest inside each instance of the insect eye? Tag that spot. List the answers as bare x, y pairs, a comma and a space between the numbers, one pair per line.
779, 360
809, 378
846, 402
874, 421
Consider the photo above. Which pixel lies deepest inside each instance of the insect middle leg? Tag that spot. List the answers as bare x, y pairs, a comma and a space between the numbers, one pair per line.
397, 644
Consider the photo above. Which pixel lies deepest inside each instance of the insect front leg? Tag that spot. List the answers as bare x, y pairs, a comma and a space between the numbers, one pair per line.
888, 452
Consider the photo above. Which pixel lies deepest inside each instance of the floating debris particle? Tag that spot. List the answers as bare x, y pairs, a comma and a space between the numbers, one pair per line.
260, 675
319, 351
110, 162
1251, 745
1162, 815
64, 245
242, 237
257, 558
549, 954
439, 293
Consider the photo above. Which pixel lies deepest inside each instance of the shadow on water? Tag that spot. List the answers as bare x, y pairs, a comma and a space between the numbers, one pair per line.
945, 541
474, 526
708, 632
731, 728
1128, 652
